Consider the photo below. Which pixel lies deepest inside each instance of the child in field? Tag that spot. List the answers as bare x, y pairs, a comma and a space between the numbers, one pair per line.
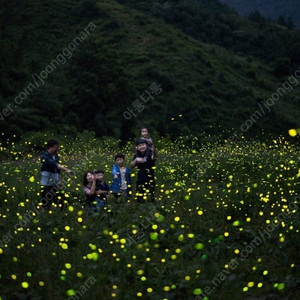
93, 203
121, 186
144, 159
102, 188
144, 136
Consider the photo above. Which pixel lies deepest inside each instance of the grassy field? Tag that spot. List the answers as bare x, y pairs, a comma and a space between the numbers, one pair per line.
225, 225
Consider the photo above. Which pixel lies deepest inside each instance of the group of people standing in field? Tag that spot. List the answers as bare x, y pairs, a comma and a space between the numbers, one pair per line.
97, 191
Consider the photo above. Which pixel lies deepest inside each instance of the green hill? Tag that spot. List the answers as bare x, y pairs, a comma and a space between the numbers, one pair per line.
205, 88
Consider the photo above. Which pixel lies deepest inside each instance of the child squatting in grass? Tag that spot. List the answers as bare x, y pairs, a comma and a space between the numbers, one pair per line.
95, 196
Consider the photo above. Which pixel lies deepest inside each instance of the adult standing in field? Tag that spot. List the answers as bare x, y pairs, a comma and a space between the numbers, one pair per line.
144, 159
50, 174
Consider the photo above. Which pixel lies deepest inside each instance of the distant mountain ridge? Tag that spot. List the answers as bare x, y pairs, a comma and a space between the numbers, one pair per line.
269, 8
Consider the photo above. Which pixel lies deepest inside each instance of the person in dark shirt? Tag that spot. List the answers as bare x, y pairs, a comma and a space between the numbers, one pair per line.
95, 191
144, 159
50, 174
102, 188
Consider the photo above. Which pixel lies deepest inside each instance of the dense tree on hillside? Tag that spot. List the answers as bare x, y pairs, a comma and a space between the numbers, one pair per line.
204, 87
290, 24
281, 21
257, 17
271, 9
214, 22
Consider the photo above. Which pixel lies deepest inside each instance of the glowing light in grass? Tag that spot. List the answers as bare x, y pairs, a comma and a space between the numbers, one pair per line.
64, 246
199, 246
93, 256
292, 132
197, 291
71, 292
236, 223
25, 285
281, 286
180, 238
153, 235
